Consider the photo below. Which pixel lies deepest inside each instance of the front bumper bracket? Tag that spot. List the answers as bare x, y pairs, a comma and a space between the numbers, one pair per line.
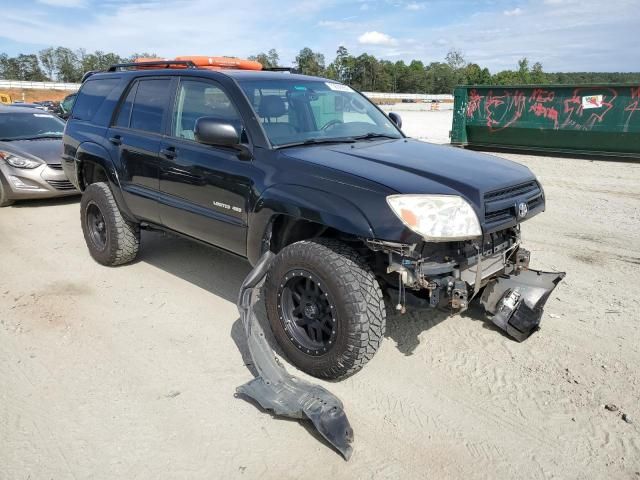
516, 301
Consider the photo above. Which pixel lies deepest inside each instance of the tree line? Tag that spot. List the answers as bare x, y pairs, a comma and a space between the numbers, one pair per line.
363, 72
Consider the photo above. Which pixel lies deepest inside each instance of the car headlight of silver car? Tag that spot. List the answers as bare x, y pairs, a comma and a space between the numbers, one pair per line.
17, 161
438, 218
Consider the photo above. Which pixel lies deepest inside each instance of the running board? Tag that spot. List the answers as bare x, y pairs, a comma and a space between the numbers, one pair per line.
517, 301
274, 389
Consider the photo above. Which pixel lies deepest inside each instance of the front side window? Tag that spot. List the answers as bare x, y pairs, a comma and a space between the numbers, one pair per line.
297, 111
196, 99
150, 104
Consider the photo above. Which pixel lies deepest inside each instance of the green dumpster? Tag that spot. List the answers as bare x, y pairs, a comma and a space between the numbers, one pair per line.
584, 119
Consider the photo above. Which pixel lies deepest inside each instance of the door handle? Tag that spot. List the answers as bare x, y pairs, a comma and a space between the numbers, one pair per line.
168, 152
116, 140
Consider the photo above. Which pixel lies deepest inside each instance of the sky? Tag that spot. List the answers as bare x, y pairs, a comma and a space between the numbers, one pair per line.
564, 35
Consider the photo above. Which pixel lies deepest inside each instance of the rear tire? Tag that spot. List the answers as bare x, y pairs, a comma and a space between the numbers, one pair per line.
4, 201
111, 239
344, 326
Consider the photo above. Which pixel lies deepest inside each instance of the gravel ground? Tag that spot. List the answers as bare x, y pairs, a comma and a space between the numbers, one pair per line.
130, 372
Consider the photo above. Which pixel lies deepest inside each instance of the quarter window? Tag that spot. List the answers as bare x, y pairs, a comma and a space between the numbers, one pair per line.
91, 97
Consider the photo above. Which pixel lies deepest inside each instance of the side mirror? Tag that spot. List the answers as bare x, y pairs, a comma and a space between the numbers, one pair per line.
216, 132
395, 118
211, 131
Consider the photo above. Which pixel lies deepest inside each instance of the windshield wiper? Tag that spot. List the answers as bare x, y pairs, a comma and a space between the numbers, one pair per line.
369, 135
316, 141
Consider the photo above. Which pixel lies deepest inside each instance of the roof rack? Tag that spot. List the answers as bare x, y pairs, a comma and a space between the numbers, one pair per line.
163, 63
280, 69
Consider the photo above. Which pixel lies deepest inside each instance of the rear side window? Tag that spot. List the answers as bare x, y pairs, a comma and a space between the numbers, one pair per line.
91, 96
149, 105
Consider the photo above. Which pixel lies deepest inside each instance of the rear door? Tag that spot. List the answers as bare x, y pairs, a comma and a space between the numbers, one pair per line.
205, 188
136, 135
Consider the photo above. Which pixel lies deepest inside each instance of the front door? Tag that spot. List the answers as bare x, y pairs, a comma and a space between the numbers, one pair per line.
136, 135
205, 189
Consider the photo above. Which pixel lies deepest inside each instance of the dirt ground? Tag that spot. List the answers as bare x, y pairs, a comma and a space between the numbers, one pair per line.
36, 95
130, 372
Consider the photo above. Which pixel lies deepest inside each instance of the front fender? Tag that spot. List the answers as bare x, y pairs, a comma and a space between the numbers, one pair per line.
303, 203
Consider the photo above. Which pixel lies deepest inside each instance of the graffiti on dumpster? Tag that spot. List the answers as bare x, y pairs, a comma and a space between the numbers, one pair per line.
581, 108
634, 106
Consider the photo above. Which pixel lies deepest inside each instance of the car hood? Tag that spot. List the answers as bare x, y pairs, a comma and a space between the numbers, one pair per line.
412, 166
49, 150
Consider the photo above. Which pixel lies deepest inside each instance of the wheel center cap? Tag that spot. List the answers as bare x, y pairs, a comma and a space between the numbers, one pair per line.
310, 310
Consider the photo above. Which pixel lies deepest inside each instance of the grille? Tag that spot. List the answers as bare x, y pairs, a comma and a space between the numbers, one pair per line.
55, 166
61, 184
500, 205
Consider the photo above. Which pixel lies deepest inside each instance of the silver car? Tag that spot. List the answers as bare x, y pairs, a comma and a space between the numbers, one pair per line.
30, 156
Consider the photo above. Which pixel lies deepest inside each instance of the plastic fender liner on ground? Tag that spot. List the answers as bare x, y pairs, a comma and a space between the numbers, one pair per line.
274, 389
517, 301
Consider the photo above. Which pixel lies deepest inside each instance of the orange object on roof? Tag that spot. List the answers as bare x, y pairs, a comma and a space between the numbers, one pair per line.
143, 60
219, 63
149, 59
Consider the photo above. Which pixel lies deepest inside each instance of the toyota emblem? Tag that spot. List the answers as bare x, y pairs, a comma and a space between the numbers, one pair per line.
523, 209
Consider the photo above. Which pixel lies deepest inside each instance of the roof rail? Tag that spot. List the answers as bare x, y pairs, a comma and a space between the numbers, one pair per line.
161, 63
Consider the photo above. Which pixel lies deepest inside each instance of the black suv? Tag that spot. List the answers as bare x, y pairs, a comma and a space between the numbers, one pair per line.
311, 170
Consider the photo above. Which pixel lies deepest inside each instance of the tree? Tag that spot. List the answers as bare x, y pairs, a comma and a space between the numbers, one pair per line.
9, 68
135, 56
524, 75
274, 58
267, 60
455, 60
30, 68
440, 78
47, 60
474, 75
67, 65
537, 75
309, 62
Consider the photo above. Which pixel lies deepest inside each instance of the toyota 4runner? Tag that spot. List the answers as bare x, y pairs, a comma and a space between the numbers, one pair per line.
311, 170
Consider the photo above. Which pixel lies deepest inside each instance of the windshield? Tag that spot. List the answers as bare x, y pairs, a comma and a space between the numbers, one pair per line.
28, 125
294, 111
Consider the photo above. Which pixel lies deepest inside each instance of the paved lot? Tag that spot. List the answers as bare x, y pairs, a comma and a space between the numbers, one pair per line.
130, 372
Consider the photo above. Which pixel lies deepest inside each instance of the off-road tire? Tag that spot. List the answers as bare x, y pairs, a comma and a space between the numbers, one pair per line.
122, 236
356, 297
4, 201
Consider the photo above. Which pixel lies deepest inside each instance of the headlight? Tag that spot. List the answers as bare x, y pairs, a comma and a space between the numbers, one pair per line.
17, 161
439, 218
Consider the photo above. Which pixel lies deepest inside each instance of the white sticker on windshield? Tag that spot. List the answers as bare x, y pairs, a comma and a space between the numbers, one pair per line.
42, 115
338, 87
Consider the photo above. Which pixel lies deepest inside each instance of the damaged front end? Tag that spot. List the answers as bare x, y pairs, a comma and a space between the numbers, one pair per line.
450, 275
274, 389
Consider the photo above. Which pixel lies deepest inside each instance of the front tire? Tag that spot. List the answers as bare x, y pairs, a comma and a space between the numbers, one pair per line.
111, 239
325, 307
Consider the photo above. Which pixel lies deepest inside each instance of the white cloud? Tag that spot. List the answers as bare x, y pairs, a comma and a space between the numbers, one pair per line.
415, 6
376, 38
64, 3
336, 24
513, 13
